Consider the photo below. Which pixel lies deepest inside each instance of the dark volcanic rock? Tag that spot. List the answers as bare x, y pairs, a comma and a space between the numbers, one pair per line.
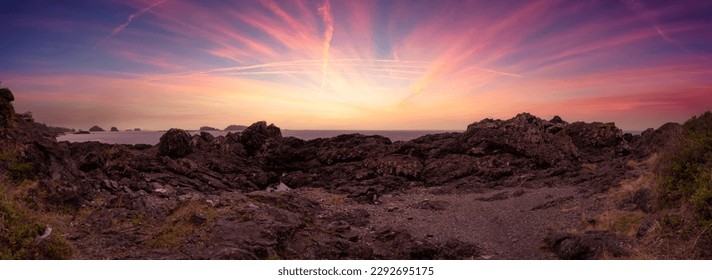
96, 128
114, 129
526, 137
59, 196
597, 141
403, 246
355, 217
258, 134
398, 165
7, 112
588, 245
175, 144
203, 197
653, 140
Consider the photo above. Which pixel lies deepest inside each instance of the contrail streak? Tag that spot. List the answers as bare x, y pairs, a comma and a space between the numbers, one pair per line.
133, 16
639, 8
367, 64
325, 12
499, 72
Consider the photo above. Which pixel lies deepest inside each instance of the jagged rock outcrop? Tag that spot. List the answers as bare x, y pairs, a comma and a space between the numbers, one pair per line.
597, 141
207, 197
175, 143
258, 136
524, 136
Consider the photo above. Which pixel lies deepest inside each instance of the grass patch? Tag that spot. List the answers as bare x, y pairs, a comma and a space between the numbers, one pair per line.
18, 234
622, 222
16, 169
182, 225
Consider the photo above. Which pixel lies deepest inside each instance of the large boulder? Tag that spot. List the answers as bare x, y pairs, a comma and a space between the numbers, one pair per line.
175, 144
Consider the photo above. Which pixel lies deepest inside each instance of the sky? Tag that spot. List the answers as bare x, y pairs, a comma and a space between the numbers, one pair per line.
355, 64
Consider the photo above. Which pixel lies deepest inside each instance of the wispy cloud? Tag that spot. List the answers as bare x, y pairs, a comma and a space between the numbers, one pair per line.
325, 12
640, 9
131, 17
385, 64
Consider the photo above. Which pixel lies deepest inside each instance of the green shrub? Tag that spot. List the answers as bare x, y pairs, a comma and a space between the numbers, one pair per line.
20, 170
685, 169
701, 202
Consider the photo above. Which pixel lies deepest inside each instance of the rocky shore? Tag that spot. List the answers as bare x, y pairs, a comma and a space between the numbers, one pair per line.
522, 188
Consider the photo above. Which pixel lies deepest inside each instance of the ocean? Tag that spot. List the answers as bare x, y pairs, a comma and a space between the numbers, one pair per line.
152, 137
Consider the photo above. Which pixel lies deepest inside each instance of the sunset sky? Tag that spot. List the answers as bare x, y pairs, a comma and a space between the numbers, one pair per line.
344, 64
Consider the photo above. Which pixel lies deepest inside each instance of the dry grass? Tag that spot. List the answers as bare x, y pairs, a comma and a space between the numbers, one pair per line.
621, 222
673, 235
590, 166
179, 227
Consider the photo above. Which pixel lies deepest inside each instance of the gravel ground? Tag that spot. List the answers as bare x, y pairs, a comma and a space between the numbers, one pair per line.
505, 224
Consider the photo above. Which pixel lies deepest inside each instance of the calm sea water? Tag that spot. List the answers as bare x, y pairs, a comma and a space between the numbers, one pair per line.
152, 137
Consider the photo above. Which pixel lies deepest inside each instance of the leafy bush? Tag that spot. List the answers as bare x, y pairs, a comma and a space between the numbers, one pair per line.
685, 169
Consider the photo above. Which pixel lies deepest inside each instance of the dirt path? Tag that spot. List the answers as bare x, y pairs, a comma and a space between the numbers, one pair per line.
506, 224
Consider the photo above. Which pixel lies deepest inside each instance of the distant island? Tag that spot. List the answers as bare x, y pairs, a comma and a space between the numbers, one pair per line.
234, 127
114, 129
96, 128
208, 128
